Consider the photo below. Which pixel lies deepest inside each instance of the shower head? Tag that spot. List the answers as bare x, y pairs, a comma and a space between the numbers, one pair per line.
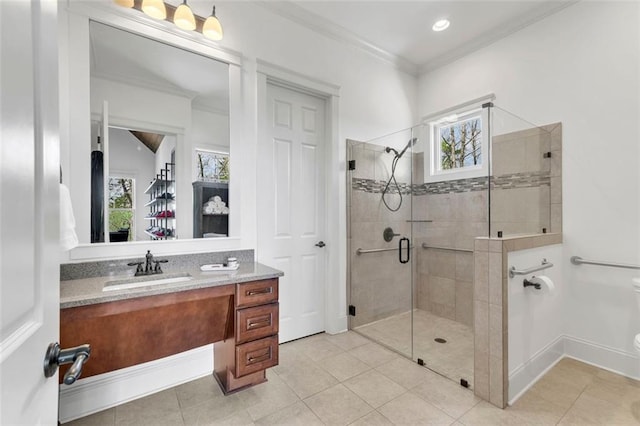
389, 149
411, 142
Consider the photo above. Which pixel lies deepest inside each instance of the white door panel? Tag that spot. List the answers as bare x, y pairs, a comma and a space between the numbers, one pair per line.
29, 161
292, 206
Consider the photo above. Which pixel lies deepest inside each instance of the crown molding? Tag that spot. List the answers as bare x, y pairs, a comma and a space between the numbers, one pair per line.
320, 25
546, 9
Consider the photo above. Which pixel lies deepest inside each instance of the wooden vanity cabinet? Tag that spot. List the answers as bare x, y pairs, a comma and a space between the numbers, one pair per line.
242, 359
241, 320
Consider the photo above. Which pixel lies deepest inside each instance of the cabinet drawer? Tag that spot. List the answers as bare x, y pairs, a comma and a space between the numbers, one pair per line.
257, 293
257, 355
256, 323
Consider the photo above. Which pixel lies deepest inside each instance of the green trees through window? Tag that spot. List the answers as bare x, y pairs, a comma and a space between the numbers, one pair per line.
121, 205
461, 144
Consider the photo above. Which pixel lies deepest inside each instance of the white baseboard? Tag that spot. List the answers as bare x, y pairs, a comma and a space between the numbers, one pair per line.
97, 393
523, 377
615, 360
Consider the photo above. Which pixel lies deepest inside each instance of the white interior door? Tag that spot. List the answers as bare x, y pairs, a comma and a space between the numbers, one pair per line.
291, 207
29, 227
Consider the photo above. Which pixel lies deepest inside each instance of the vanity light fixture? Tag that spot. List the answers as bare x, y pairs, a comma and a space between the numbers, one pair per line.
212, 28
154, 8
441, 25
183, 17
124, 3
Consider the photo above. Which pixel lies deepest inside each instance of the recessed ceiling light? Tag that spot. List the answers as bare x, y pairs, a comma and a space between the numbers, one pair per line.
441, 25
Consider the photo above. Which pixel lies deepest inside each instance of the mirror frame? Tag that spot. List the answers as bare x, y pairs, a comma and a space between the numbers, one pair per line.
76, 119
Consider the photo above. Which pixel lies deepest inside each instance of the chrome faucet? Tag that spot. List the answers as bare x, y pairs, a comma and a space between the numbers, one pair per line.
151, 266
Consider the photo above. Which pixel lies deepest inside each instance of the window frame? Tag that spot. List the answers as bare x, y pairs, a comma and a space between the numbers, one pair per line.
433, 171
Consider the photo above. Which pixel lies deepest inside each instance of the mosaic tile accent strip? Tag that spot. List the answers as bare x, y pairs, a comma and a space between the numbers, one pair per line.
510, 181
377, 186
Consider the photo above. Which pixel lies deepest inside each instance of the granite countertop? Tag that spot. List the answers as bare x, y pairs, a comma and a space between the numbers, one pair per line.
88, 291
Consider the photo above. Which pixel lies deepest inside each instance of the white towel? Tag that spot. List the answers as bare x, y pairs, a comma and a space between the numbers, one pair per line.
68, 237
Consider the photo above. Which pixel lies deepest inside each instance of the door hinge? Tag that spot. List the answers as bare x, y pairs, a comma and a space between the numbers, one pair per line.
464, 383
420, 361
352, 164
352, 310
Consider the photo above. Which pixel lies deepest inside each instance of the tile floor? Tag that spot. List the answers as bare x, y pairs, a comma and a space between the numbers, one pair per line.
453, 359
347, 379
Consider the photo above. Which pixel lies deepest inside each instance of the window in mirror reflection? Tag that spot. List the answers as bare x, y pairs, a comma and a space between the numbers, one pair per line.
212, 166
121, 209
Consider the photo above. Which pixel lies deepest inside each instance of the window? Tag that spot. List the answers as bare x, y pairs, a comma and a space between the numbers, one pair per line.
458, 144
212, 166
121, 208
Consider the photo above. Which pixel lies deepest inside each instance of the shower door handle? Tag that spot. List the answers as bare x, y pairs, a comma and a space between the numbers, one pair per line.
400, 258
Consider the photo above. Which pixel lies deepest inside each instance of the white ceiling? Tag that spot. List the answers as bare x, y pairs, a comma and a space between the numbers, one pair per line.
125, 57
400, 31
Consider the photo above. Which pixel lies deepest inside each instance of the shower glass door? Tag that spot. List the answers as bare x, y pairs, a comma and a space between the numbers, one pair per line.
380, 240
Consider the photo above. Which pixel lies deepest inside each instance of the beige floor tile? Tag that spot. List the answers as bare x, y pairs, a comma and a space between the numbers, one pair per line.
307, 380
404, 372
532, 408
589, 410
559, 388
409, 409
347, 340
290, 356
317, 347
297, 414
211, 411
343, 366
374, 388
338, 406
447, 395
374, 418
485, 414
102, 418
373, 354
197, 391
267, 398
239, 418
453, 359
161, 408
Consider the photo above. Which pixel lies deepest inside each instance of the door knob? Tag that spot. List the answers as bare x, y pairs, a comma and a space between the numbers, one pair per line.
56, 356
320, 244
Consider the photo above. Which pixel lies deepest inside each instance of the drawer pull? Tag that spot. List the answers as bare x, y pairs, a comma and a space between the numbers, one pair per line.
261, 358
261, 291
259, 323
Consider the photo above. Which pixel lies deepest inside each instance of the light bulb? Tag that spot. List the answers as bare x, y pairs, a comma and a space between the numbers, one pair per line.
183, 17
441, 25
154, 8
124, 3
212, 28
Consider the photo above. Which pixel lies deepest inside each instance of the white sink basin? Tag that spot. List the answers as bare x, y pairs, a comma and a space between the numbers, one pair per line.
146, 281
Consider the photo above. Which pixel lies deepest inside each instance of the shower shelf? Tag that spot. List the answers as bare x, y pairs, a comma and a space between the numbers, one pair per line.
425, 246
360, 251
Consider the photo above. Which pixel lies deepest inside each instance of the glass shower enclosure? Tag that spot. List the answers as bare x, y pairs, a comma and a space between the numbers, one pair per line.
414, 218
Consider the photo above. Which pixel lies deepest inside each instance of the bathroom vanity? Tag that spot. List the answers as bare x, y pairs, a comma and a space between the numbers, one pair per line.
235, 310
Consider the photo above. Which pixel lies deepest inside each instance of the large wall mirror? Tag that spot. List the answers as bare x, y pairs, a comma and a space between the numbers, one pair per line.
160, 144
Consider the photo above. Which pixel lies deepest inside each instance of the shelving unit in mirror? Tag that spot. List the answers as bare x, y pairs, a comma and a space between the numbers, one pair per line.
162, 205
210, 209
